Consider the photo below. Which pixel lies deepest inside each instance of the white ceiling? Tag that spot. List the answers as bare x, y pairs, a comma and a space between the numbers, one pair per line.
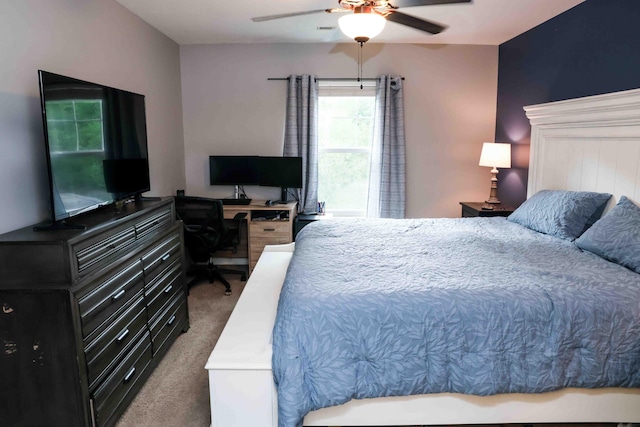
485, 22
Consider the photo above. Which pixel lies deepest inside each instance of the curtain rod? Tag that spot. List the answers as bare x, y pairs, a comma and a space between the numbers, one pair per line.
369, 79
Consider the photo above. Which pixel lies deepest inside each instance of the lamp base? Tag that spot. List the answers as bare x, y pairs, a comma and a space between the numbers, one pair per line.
493, 193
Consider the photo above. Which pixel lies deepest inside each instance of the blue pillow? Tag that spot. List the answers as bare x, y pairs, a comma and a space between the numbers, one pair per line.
616, 236
560, 213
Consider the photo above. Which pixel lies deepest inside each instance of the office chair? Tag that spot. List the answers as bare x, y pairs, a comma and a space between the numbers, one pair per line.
206, 232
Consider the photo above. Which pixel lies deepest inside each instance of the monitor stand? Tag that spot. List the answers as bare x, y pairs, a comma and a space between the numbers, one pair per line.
283, 198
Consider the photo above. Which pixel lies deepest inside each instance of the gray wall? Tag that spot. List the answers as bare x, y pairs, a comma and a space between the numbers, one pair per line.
230, 108
99, 41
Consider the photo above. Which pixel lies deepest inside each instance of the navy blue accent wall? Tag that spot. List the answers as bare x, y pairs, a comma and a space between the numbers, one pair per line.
591, 49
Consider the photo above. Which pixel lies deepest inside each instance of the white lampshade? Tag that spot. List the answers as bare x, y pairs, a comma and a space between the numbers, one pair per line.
495, 155
365, 25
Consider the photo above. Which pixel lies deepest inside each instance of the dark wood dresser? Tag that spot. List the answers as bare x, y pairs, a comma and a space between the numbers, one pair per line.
87, 315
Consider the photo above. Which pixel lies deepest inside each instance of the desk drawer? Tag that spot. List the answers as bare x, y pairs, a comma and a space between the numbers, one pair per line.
109, 347
113, 390
266, 229
258, 243
112, 292
262, 233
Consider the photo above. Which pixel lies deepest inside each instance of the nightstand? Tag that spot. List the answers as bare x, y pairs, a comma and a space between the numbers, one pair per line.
471, 209
304, 219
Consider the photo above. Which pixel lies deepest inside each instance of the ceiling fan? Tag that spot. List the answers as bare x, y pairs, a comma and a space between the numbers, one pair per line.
372, 11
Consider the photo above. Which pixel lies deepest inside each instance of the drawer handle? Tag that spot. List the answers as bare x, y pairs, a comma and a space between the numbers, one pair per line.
269, 229
170, 321
118, 295
165, 257
129, 375
123, 335
168, 289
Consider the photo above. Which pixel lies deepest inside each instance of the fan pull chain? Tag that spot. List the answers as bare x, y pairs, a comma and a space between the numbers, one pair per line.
360, 65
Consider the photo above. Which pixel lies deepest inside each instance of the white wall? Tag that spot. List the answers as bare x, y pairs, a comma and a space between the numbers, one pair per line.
230, 108
99, 41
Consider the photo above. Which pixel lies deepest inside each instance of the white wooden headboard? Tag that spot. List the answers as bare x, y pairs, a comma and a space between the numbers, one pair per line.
587, 144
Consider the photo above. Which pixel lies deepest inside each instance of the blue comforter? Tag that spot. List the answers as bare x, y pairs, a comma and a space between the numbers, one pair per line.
480, 306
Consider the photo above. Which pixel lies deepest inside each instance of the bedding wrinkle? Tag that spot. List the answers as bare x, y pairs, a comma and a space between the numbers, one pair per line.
481, 306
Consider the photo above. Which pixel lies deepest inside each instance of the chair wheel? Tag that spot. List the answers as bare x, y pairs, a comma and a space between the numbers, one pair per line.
227, 292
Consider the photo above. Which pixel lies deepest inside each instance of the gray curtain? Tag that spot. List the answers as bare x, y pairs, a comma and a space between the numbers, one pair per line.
301, 136
387, 169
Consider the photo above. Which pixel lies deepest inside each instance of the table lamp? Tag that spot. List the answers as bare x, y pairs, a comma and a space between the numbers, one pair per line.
494, 156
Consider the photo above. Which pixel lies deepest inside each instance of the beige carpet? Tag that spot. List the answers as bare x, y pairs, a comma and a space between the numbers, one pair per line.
177, 393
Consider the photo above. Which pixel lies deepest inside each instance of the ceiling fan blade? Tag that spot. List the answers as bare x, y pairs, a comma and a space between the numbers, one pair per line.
412, 21
287, 15
409, 3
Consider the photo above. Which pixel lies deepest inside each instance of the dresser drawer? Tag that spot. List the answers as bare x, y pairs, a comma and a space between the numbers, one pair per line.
168, 323
107, 349
163, 288
166, 252
109, 294
113, 390
155, 221
92, 252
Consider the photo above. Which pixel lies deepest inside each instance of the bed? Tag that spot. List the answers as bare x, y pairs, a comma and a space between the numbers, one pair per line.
587, 144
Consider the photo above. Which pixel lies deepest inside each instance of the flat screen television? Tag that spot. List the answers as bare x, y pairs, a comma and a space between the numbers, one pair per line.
283, 172
233, 170
96, 144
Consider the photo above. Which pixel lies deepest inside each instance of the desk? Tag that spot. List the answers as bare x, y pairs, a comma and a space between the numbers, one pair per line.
262, 229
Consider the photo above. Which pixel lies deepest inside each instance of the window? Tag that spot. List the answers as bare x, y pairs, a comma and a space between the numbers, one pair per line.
345, 132
76, 142
75, 125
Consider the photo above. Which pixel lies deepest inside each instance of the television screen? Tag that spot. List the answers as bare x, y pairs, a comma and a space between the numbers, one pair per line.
283, 172
233, 170
96, 140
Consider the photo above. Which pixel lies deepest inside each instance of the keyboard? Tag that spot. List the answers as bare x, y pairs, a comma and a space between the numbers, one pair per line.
236, 201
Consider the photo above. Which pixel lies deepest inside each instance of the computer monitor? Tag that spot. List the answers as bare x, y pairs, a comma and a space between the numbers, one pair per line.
283, 172
233, 170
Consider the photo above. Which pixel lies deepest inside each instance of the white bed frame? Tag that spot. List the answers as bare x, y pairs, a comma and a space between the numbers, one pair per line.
590, 143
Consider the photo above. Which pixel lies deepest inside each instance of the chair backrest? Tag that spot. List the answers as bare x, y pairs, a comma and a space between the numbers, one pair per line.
201, 211
205, 229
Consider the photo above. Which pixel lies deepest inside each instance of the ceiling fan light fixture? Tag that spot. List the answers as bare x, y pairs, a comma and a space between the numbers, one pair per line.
363, 24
